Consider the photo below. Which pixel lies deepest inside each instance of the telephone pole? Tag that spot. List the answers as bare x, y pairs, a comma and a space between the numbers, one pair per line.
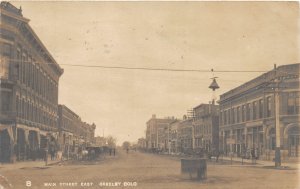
277, 120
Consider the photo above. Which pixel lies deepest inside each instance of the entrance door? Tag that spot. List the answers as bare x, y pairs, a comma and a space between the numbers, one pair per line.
5, 146
21, 145
294, 142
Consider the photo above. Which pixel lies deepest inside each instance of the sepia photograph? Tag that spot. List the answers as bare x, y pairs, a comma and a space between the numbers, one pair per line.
149, 94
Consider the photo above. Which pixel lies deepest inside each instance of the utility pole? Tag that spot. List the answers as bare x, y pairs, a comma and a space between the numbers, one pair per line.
169, 150
277, 120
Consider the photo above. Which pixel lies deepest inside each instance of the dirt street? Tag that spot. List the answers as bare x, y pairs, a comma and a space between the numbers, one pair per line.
139, 170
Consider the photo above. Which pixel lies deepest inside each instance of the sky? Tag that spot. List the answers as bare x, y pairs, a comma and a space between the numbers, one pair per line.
172, 35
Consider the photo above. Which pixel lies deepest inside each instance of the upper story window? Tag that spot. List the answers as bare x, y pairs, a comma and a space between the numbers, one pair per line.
260, 108
238, 114
268, 112
233, 115
254, 106
225, 117
248, 112
5, 49
293, 103
229, 116
243, 113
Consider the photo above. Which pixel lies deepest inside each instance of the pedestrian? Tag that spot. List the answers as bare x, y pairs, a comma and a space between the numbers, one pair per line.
110, 152
46, 156
114, 152
127, 150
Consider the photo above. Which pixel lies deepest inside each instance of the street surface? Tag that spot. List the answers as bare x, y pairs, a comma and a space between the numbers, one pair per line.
141, 170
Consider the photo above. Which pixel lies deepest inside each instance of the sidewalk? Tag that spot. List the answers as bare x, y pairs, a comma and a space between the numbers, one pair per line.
295, 165
22, 164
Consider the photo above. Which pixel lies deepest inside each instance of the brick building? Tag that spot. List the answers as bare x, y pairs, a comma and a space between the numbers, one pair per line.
155, 132
185, 135
173, 136
29, 88
206, 127
247, 115
74, 134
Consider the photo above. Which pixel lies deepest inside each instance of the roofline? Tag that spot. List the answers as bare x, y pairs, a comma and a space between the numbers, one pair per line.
20, 17
222, 98
202, 104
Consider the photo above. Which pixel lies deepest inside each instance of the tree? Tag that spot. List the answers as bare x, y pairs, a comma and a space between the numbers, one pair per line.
111, 141
126, 145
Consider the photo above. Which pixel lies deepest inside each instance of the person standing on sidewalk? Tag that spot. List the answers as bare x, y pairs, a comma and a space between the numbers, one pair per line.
46, 156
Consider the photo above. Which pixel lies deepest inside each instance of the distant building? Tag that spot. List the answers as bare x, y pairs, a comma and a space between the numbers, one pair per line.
247, 115
174, 142
29, 78
141, 144
206, 127
155, 132
74, 134
87, 133
186, 135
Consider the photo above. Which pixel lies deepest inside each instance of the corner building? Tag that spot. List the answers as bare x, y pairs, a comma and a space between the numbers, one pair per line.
247, 115
29, 78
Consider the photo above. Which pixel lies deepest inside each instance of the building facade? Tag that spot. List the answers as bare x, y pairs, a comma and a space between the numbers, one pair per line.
185, 135
74, 134
173, 135
29, 78
206, 127
247, 115
141, 144
155, 132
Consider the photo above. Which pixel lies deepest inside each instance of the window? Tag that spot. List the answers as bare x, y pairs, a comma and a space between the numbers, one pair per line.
290, 107
243, 113
254, 106
5, 49
18, 63
297, 104
248, 112
17, 106
268, 106
229, 117
221, 118
293, 103
232, 115
5, 98
260, 108
225, 117
238, 113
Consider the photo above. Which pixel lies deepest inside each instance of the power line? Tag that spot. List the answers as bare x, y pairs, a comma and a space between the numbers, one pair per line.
152, 69
156, 69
